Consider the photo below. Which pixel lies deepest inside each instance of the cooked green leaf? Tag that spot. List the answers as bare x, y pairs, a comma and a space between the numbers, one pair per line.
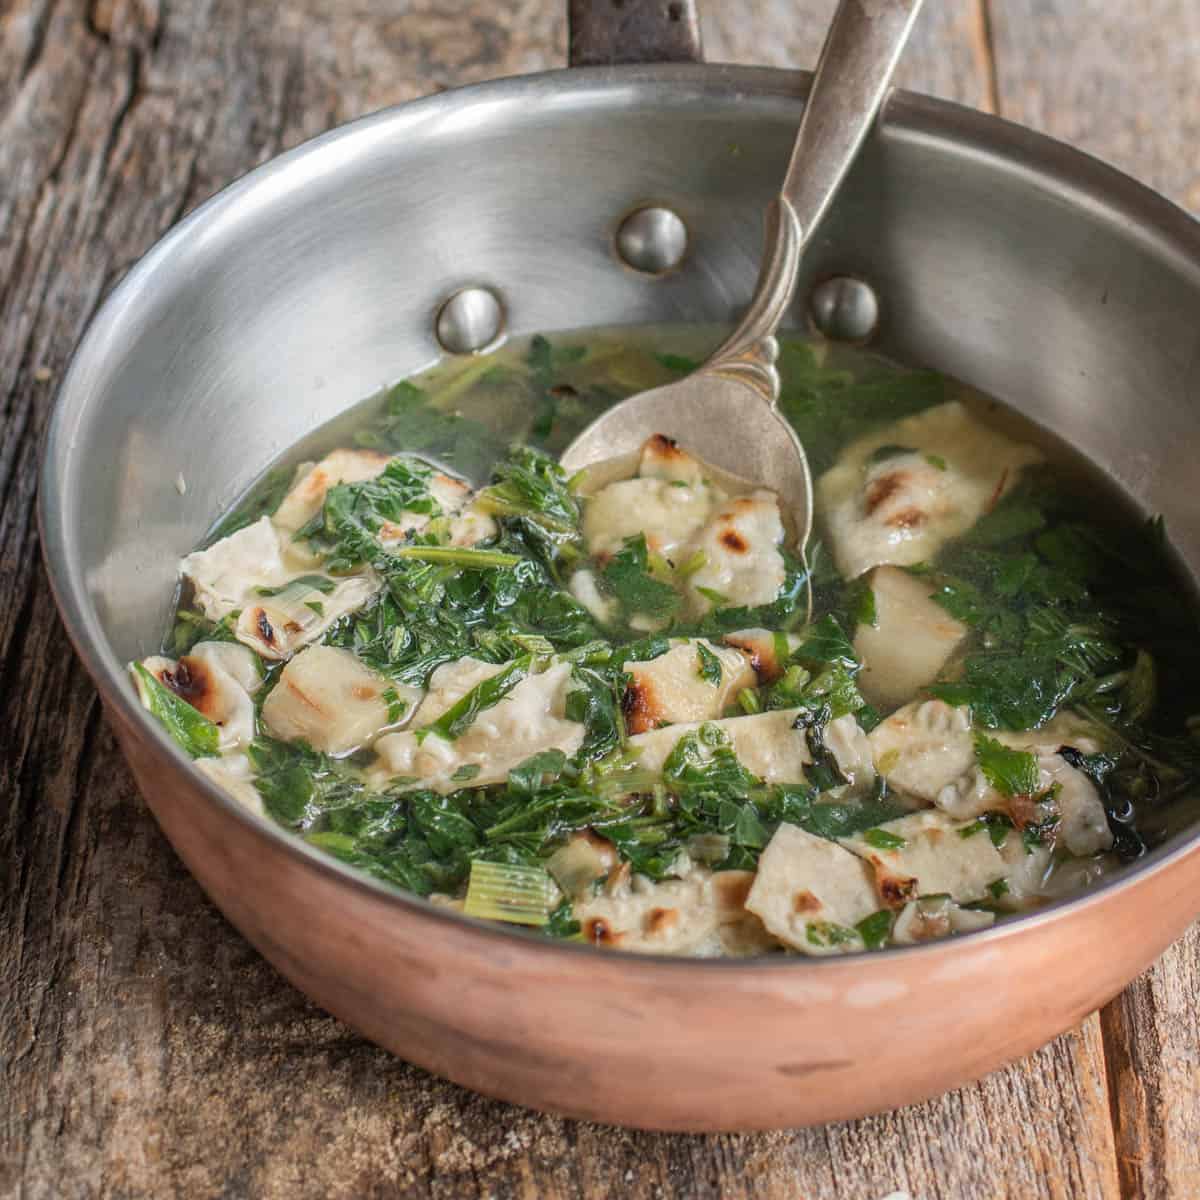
1011, 772
194, 732
710, 665
460, 716
627, 577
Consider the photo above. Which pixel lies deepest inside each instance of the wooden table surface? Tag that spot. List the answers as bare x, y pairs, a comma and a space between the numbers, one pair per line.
146, 1050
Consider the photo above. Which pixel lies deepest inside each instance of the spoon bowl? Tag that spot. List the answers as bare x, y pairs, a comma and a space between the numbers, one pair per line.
723, 422
725, 413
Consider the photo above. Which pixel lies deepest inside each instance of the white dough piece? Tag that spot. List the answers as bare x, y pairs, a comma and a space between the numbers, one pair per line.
529, 719
925, 920
767, 651
583, 586
669, 689
238, 660
308, 492
216, 679
924, 747
471, 526
910, 641
277, 626
330, 699
1084, 828
227, 575
765, 744
903, 508
674, 916
847, 741
449, 683
810, 893
662, 458
668, 516
741, 544
934, 858
234, 774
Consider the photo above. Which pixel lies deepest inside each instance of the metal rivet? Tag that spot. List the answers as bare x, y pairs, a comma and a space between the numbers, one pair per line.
470, 320
652, 240
845, 309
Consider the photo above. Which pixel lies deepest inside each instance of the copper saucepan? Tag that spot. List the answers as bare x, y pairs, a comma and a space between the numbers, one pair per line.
1016, 263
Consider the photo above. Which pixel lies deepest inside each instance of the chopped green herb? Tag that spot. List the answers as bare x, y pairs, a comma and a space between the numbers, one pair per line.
316, 583
876, 929
827, 933
883, 839
628, 578
561, 923
1010, 772
710, 665
862, 603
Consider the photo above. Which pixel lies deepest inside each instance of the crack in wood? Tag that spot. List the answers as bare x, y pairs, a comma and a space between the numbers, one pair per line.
985, 55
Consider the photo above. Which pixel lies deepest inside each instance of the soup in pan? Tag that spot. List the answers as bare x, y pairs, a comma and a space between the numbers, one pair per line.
623, 708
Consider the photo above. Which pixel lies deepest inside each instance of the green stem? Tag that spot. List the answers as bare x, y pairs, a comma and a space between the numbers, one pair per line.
456, 556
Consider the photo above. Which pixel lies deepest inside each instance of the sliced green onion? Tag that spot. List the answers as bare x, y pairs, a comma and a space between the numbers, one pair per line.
717, 599
457, 556
658, 567
695, 563
748, 699
506, 892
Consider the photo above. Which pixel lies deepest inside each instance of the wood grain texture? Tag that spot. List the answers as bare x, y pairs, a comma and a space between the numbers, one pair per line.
145, 1049
947, 55
1120, 81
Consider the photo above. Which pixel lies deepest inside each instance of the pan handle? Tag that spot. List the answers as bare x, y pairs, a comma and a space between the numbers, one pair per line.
605, 32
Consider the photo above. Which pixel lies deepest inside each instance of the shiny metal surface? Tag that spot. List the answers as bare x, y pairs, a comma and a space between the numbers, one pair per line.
471, 320
738, 385
844, 309
652, 239
1029, 270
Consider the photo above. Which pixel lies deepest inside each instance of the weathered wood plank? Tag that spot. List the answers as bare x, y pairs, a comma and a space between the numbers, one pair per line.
1153, 1054
1118, 80
948, 55
145, 1050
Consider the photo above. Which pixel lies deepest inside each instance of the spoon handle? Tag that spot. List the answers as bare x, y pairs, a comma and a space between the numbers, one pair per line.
852, 78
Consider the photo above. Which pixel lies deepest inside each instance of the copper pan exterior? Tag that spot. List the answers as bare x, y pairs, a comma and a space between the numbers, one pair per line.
1029, 270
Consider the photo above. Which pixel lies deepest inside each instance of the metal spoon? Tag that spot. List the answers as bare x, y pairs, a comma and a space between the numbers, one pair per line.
726, 411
